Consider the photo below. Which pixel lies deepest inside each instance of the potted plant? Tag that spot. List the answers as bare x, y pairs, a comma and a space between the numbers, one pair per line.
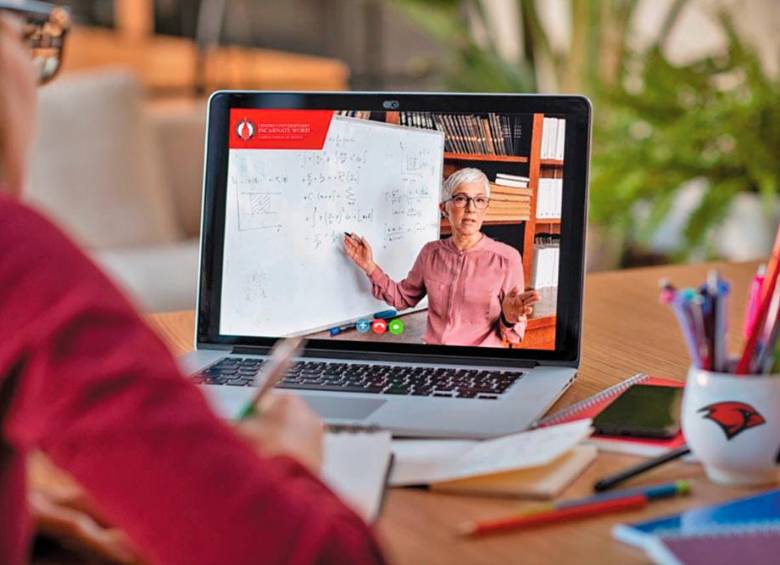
700, 140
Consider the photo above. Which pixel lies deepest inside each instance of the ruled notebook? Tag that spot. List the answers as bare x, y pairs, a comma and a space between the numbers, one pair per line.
754, 545
754, 518
592, 406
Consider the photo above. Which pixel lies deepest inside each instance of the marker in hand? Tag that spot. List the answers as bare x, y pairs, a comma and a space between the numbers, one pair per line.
359, 251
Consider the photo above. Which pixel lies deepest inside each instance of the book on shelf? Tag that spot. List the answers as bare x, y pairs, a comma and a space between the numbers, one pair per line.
501, 202
511, 183
549, 197
512, 177
359, 114
496, 189
514, 181
546, 256
553, 138
481, 134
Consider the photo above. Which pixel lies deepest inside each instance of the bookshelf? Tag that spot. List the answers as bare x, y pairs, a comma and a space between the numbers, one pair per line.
538, 225
537, 168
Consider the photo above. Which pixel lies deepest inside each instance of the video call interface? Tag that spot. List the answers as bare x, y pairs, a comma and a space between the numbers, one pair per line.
405, 227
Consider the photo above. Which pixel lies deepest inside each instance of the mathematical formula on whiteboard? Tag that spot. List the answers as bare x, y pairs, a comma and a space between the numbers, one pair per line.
284, 269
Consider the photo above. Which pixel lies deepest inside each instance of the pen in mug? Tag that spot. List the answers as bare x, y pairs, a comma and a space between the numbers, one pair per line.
766, 346
670, 296
273, 370
768, 288
754, 297
684, 313
719, 289
693, 301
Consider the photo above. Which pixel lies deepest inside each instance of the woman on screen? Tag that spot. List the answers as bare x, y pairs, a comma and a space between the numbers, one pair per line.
474, 284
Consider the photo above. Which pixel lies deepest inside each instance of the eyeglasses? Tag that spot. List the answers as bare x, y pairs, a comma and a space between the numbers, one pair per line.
462, 201
44, 29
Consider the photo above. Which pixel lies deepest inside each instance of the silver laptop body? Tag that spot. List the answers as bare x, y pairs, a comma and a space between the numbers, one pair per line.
543, 375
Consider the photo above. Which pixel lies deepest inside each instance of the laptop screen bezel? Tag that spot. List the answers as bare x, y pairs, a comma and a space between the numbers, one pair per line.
577, 111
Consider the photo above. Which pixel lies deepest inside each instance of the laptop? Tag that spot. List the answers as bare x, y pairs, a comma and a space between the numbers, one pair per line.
462, 200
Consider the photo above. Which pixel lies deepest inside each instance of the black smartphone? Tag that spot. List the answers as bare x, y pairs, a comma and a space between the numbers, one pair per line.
642, 411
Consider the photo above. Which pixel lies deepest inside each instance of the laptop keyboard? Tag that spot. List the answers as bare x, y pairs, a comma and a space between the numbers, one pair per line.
368, 378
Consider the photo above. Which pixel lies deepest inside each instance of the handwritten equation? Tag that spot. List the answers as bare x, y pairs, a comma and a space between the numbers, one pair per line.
287, 211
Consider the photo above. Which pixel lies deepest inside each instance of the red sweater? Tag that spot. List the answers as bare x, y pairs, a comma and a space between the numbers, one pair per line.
82, 378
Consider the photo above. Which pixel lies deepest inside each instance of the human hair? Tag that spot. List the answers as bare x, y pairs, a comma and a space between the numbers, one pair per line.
463, 176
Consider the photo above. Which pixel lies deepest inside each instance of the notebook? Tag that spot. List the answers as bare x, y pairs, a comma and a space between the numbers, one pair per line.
753, 545
541, 482
752, 512
535, 464
592, 406
356, 466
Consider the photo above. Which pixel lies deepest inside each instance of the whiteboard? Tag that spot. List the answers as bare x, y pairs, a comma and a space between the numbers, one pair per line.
284, 270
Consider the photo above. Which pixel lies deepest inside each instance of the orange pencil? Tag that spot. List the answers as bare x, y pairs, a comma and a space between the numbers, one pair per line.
553, 516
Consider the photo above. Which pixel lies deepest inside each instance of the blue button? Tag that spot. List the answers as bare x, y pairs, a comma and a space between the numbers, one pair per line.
363, 326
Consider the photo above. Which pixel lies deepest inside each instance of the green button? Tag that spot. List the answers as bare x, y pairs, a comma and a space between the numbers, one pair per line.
396, 327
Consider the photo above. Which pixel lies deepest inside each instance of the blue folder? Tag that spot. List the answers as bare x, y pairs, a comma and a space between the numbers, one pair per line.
757, 511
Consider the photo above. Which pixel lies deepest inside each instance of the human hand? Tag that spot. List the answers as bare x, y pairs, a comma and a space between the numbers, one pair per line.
285, 425
518, 304
61, 510
358, 249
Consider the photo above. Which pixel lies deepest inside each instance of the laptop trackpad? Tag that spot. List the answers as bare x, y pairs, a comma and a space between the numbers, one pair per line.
330, 408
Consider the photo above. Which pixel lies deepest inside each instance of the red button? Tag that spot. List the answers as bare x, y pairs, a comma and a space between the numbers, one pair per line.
379, 326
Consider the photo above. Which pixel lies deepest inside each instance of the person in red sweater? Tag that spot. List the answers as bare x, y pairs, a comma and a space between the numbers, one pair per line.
84, 380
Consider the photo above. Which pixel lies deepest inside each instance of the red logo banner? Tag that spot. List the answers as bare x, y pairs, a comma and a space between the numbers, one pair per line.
278, 129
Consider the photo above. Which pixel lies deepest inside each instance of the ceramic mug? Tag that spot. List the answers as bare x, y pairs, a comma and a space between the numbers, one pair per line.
732, 425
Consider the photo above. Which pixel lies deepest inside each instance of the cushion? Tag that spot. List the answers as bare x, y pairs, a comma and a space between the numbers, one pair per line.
95, 167
179, 135
157, 278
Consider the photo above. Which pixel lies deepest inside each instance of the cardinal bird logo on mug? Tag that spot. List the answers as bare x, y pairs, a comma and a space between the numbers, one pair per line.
245, 130
733, 417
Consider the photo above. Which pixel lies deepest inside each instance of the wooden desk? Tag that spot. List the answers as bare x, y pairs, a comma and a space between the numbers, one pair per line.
625, 331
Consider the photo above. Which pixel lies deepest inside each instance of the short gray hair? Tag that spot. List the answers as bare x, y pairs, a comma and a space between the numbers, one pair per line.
464, 176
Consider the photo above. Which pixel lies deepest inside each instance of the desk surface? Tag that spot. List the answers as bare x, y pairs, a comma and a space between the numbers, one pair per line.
625, 331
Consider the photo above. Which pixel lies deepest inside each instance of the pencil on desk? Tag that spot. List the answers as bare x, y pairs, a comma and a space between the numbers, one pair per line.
577, 509
554, 516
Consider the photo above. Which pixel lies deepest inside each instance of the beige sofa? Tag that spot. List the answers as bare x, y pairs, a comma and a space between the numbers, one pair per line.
124, 179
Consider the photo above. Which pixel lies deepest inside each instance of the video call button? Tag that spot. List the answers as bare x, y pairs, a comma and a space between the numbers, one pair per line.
379, 326
395, 327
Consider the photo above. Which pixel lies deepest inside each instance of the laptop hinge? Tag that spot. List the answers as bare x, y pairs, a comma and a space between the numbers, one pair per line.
245, 350
405, 358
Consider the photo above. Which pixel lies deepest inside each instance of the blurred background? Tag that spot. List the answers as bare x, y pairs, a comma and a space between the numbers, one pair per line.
686, 95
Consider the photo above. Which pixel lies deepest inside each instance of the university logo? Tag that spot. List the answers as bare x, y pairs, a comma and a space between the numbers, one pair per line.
733, 417
245, 130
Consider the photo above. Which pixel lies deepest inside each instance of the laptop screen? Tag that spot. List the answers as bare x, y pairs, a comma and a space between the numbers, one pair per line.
422, 228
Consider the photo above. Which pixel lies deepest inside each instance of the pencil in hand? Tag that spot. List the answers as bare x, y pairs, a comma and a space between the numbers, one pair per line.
280, 358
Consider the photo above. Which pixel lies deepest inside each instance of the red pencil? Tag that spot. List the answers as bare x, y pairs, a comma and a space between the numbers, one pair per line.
552, 516
767, 290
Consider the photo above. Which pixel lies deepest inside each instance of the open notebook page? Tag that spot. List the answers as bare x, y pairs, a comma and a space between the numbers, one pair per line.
356, 466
